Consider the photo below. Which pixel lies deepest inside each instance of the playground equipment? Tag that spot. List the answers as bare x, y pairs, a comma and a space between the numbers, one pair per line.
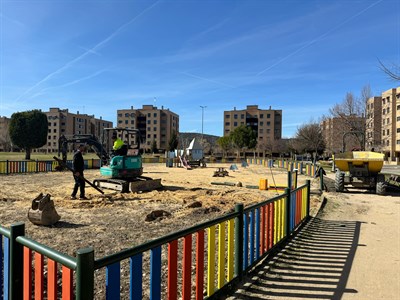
122, 169
360, 169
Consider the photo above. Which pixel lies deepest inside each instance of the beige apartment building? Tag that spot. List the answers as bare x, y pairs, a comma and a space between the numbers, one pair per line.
153, 123
267, 123
5, 143
63, 122
336, 132
373, 124
385, 112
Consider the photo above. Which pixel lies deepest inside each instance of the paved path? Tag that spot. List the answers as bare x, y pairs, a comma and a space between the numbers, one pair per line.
351, 250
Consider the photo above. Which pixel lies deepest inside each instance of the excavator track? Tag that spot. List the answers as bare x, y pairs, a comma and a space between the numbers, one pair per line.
139, 184
113, 184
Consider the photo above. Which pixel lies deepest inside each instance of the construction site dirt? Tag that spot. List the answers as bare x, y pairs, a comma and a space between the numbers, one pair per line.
115, 221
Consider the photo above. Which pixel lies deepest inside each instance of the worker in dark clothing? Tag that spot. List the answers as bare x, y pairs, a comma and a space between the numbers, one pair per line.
78, 166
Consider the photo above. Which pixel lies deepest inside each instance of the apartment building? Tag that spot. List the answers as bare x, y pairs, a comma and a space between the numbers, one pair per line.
387, 114
63, 122
5, 143
267, 123
153, 123
336, 132
373, 122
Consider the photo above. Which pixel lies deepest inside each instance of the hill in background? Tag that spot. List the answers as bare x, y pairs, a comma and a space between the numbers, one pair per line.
186, 137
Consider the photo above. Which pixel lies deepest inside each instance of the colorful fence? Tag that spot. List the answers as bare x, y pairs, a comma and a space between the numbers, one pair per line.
215, 254
18, 167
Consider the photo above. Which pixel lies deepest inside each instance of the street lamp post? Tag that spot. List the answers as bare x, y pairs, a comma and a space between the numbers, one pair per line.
202, 121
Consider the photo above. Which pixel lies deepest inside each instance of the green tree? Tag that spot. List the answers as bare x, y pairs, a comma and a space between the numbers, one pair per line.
244, 137
173, 142
225, 142
28, 130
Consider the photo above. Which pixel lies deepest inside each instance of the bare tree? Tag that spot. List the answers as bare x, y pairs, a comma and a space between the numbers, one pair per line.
393, 71
309, 139
350, 119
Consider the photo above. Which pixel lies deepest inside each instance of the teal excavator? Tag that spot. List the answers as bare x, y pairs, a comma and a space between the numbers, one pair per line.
120, 169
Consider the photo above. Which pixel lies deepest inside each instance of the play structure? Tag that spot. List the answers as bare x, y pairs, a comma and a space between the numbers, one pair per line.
121, 169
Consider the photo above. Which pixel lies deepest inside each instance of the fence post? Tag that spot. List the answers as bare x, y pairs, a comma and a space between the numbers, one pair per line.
287, 225
321, 175
85, 274
308, 182
37, 166
289, 184
239, 242
7, 166
16, 262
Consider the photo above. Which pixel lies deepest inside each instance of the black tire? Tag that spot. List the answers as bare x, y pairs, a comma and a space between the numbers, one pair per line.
381, 185
339, 181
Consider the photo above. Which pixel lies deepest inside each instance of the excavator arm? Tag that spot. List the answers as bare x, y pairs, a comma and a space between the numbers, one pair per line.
88, 139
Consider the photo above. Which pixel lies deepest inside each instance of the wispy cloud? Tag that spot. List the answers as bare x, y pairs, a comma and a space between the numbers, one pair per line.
319, 38
207, 79
87, 52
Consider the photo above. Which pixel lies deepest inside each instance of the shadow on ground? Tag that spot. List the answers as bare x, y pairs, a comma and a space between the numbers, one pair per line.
315, 264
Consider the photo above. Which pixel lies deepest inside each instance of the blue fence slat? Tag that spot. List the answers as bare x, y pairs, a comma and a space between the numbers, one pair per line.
252, 236
257, 233
136, 285
6, 273
245, 241
155, 273
113, 280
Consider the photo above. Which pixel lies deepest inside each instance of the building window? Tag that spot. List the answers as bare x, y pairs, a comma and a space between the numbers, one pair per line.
227, 123
119, 121
234, 123
235, 116
387, 131
155, 122
227, 116
388, 110
383, 132
242, 116
383, 111
54, 130
132, 122
148, 129
268, 123
261, 123
268, 116
148, 121
261, 130
155, 136
154, 128
149, 114
149, 135
261, 116
119, 115
126, 122
155, 115
49, 131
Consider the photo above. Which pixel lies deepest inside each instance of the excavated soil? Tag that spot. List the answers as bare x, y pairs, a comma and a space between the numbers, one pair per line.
112, 222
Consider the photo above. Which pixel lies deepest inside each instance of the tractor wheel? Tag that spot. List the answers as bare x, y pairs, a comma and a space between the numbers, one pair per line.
339, 181
381, 185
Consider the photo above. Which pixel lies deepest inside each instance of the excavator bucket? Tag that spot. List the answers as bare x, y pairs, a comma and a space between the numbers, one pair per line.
42, 211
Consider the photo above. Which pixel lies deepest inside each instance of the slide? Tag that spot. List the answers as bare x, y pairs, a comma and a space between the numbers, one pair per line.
184, 162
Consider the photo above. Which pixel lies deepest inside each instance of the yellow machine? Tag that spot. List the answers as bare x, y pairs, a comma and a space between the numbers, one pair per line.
360, 169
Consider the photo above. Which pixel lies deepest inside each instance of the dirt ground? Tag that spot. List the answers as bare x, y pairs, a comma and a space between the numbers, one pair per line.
112, 222
115, 221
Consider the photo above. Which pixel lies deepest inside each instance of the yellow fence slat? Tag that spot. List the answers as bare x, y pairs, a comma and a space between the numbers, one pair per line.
221, 255
211, 261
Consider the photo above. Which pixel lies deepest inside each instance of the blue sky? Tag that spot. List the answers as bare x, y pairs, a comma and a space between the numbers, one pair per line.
99, 56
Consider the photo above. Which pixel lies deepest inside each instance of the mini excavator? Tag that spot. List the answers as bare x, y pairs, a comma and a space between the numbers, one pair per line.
120, 169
